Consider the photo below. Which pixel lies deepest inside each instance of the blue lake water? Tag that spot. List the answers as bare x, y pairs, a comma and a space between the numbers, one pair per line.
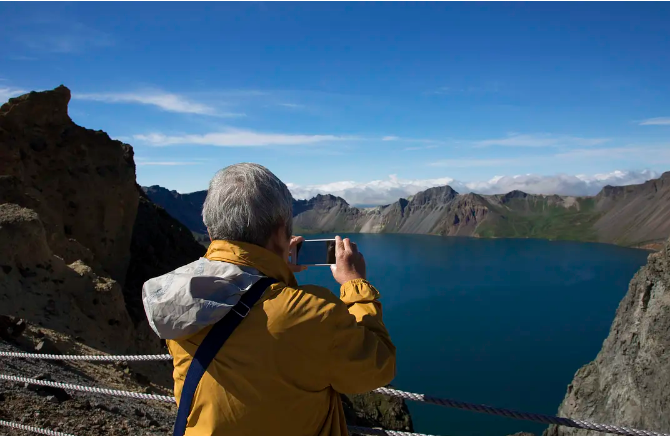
502, 322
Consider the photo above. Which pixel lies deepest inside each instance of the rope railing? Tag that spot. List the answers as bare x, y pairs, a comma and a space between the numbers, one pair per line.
536, 417
18, 426
91, 389
352, 429
96, 358
545, 419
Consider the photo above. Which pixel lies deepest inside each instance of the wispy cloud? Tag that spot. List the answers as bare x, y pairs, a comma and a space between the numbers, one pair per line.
237, 138
476, 163
163, 100
62, 36
166, 163
425, 147
659, 153
660, 121
416, 140
22, 58
540, 140
487, 88
7, 93
291, 105
378, 192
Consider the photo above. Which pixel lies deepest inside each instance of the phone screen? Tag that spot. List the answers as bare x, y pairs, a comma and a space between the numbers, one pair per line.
316, 252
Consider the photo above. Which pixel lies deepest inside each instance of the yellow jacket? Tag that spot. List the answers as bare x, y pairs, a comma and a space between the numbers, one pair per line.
281, 371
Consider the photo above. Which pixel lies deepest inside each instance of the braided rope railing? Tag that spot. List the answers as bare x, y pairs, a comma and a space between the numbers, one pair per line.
113, 392
33, 429
106, 358
378, 431
536, 417
545, 419
353, 429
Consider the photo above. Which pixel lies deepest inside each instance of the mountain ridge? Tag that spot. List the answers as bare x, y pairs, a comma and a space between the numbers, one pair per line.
630, 215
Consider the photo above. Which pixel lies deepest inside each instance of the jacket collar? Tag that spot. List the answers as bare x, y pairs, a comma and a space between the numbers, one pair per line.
245, 254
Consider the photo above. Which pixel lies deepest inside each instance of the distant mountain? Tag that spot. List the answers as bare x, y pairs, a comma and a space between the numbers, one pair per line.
633, 215
186, 208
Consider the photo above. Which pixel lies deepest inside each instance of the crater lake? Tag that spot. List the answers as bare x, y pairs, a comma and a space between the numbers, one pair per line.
502, 322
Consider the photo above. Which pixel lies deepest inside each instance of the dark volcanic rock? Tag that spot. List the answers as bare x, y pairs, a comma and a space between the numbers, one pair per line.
68, 215
79, 181
376, 410
628, 382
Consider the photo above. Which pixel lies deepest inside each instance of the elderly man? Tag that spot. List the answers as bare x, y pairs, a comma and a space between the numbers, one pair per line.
276, 366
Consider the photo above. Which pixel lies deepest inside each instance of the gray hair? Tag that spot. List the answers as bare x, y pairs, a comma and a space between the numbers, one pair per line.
246, 202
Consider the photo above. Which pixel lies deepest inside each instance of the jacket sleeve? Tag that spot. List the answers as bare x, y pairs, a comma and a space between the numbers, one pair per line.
361, 355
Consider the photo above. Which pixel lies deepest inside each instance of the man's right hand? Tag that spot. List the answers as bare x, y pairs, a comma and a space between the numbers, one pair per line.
349, 263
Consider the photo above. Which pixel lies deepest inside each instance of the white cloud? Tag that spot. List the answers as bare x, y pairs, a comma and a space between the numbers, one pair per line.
165, 163
387, 191
374, 192
237, 138
425, 147
541, 140
476, 163
660, 121
561, 184
291, 105
164, 100
390, 138
7, 93
22, 58
61, 36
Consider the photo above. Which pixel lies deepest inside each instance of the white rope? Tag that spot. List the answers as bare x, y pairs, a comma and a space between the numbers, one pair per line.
108, 358
381, 432
33, 429
547, 419
354, 429
537, 417
72, 387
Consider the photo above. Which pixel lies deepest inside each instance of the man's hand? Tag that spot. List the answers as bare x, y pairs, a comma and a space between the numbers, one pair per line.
349, 263
295, 240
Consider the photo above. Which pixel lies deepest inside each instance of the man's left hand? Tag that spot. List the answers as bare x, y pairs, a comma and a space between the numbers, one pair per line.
295, 240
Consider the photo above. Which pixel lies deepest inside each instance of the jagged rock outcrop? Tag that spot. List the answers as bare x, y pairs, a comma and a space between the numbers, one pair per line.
75, 247
629, 381
79, 181
374, 410
635, 215
38, 285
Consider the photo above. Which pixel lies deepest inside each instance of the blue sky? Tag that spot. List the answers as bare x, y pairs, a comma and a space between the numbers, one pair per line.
370, 101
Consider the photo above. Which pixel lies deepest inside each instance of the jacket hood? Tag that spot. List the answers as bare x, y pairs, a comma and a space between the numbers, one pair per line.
194, 296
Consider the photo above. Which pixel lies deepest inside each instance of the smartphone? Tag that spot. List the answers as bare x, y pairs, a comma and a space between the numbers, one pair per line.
314, 252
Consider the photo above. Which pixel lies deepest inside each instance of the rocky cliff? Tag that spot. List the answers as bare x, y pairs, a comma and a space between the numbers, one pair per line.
629, 381
76, 247
634, 215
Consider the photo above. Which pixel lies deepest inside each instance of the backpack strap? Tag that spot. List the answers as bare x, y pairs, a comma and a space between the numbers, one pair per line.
211, 345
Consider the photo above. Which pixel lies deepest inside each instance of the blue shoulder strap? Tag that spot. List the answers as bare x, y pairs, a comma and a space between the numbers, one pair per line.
211, 345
